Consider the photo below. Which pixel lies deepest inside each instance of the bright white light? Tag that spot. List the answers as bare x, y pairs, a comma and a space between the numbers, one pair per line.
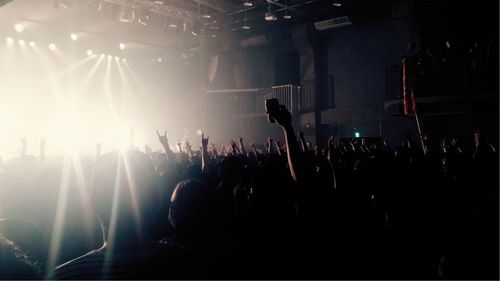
32, 44
89, 52
160, 60
246, 27
122, 46
124, 60
110, 57
21, 42
337, 4
19, 27
117, 58
103, 55
248, 4
52, 46
73, 36
206, 16
10, 40
198, 132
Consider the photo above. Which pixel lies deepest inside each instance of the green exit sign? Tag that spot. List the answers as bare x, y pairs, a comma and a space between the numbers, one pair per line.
356, 134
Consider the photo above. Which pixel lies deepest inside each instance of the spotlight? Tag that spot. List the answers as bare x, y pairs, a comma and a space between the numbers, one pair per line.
246, 27
122, 46
270, 15
52, 46
337, 4
103, 55
117, 58
89, 52
19, 27
124, 60
10, 40
73, 36
32, 44
21, 42
196, 29
110, 57
172, 23
159, 59
248, 4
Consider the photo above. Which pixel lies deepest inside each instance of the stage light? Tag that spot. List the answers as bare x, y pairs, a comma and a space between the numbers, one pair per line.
124, 60
248, 4
122, 46
89, 52
270, 15
52, 46
246, 27
32, 44
199, 132
357, 134
10, 40
117, 58
337, 4
159, 59
21, 42
19, 27
206, 16
73, 36
110, 57
172, 24
103, 55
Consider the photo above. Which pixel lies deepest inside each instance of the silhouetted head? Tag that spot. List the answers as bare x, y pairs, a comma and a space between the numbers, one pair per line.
125, 190
188, 207
230, 167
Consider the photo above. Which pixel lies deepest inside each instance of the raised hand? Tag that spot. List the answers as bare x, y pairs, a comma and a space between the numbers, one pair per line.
204, 153
270, 145
282, 116
204, 141
163, 139
301, 133
179, 145
242, 146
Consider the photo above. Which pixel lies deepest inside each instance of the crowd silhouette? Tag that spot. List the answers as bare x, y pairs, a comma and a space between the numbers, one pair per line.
350, 210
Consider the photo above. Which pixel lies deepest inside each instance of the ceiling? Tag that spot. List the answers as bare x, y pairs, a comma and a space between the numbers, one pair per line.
177, 23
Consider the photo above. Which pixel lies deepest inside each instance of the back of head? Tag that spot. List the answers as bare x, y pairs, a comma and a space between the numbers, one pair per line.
125, 186
188, 207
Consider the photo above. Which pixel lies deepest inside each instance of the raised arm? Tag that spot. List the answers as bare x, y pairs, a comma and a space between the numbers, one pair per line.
204, 153
303, 141
278, 147
284, 118
242, 146
164, 142
270, 145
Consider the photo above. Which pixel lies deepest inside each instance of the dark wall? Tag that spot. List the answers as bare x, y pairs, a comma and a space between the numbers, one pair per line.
358, 56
